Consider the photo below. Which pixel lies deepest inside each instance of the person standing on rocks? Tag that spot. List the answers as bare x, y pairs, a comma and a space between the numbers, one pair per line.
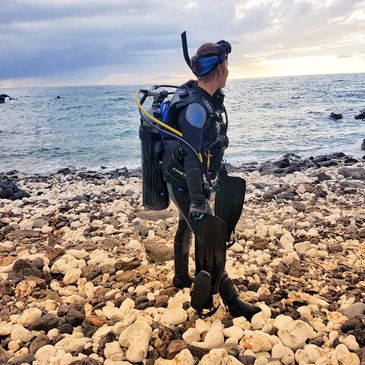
193, 170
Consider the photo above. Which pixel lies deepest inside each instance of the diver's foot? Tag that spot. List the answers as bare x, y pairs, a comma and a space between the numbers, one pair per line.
239, 308
201, 293
182, 282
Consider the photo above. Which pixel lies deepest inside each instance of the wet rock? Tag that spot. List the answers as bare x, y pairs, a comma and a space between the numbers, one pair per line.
6, 288
353, 310
21, 360
158, 252
86, 361
336, 116
335, 247
109, 337
154, 215
161, 301
38, 342
354, 172
359, 333
53, 253
174, 348
91, 271
360, 116
46, 323
22, 234
66, 328
350, 324
164, 336
127, 265
9, 190
247, 359
184, 357
74, 317
197, 351
22, 269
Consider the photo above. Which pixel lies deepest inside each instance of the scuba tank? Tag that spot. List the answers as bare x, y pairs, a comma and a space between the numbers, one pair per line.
154, 187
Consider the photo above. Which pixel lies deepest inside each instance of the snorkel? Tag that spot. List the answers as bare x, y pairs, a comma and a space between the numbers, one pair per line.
202, 65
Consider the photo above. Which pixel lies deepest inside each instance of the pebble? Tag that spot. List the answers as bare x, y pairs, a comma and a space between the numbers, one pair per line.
86, 275
173, 317
19, 333
296, 334
136, 337
214, 338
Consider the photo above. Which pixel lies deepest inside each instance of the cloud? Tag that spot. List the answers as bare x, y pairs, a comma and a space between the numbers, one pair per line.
94, 41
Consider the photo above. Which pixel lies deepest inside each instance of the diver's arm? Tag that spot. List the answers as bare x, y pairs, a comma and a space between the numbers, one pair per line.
191, 120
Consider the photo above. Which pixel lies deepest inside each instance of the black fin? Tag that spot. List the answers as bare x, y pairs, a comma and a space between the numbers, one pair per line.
229, 201
210, 259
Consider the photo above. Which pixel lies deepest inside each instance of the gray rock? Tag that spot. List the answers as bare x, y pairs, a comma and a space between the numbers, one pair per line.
22, 269
91, 271
353, 310
21, 234
74, 317
158, 252
21, 360
154, 215
46, 323
37, 343
354, 172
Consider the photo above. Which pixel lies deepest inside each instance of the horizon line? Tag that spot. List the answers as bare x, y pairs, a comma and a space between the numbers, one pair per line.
137, 84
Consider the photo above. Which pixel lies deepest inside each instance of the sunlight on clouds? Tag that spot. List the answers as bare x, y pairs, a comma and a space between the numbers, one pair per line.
191, 4
243, 6
313, 65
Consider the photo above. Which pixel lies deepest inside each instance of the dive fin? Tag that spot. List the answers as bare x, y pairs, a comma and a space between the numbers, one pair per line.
210, 259
229, 201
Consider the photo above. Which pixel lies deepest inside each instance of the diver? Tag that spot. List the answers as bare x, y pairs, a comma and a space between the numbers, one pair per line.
197, 111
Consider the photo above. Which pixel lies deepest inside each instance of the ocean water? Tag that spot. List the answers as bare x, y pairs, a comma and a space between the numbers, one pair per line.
97, 126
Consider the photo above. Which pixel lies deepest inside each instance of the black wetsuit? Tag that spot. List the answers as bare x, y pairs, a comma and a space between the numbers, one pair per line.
188, 179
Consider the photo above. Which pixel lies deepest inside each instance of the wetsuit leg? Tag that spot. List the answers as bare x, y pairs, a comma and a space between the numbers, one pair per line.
183, 237
230, 296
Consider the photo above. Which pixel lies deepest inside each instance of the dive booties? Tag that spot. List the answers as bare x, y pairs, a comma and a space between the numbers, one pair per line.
229, 201
210, 259
231, 299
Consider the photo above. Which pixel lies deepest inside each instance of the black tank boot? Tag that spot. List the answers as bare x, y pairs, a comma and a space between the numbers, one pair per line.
231, 299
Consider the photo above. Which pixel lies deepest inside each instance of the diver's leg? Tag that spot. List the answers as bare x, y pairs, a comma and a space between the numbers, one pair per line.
182, 244
230, 296
182, 240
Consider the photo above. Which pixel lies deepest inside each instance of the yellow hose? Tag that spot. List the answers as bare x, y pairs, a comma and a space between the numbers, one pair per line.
162, 124
148, 115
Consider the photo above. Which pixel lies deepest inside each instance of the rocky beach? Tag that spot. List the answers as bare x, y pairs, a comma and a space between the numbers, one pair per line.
86, 272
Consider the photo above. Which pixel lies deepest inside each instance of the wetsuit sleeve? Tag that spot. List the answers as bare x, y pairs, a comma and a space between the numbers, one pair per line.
192, 120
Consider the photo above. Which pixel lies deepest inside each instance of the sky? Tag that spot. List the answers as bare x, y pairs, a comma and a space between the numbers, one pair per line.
92, 42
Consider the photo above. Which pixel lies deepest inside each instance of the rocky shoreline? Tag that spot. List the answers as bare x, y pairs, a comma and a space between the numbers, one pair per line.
86, 272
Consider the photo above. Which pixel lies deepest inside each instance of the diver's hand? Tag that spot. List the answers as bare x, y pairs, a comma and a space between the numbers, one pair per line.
198, 211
